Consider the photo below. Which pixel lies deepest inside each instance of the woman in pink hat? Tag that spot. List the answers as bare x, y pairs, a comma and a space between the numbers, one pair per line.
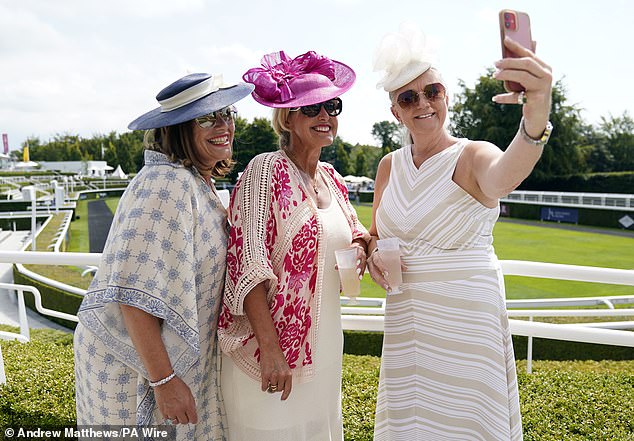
280, 325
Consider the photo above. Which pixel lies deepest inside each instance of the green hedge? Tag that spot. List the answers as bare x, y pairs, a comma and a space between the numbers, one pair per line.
587, 216
52, 298
559, 401
370, 343
617, 182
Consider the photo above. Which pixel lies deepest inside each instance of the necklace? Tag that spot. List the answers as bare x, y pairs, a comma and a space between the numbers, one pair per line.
309, 182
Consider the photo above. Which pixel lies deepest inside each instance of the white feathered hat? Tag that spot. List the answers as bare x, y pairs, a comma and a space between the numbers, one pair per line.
403, 55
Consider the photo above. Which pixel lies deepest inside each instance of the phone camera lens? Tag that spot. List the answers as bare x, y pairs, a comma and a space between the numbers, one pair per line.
507, 24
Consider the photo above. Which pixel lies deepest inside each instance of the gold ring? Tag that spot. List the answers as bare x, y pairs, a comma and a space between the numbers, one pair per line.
272, 388
521, 98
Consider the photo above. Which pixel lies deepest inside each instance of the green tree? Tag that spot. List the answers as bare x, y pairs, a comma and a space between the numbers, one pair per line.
617, 135
250, 140
361, 163
342, 156
475, 116
388, 134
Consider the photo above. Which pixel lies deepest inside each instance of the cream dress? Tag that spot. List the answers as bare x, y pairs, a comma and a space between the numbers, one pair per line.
313, 410
447, 368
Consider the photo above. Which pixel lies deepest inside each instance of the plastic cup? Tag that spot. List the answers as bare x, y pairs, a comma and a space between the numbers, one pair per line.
390, 253
347, 264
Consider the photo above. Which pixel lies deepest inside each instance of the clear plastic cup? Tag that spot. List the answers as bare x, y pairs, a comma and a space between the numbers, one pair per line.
390, 253
347, 264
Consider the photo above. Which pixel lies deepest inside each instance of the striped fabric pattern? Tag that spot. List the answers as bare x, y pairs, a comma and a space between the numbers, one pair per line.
447, 370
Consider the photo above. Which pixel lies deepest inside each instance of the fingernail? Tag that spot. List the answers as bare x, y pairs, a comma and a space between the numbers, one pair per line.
387, 287
358, 270
385, 274
358, 261
360, 277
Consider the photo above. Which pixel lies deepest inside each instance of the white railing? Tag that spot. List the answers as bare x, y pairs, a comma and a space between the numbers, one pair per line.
594, 200
25, 336
369, 315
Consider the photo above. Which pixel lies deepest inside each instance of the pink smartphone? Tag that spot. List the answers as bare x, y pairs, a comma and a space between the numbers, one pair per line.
517, 26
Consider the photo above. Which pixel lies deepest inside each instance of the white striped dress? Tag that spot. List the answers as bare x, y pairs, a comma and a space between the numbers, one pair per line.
447, 370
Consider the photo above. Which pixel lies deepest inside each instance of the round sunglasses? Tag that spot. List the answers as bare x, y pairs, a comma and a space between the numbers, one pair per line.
333, 107
410, 98
227, 115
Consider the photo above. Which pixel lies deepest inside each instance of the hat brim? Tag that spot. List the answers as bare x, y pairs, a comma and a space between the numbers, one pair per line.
344, 80
203, 106
403, 76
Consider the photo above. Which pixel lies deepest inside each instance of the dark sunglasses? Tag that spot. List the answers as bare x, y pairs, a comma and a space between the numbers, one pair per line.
227, 114
410, 98
333, 108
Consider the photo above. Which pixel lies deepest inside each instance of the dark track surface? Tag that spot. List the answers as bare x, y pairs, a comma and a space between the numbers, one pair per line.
99, 220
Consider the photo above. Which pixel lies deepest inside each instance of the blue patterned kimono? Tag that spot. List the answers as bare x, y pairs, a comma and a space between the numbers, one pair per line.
165, 255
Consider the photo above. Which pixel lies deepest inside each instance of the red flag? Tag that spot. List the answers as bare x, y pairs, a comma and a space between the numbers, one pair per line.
5, 141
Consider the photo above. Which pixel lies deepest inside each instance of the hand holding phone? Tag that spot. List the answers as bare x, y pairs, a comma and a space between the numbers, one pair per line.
517, 26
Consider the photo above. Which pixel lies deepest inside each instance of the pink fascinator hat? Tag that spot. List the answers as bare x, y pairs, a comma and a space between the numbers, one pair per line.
301, 81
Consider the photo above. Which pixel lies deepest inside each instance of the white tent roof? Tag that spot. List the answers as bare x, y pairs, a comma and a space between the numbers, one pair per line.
118, 173
357, 179
22, 164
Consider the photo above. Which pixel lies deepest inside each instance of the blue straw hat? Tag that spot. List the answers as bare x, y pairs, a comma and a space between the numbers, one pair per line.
192, 96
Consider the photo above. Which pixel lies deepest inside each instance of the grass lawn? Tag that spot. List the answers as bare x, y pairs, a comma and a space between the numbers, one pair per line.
541, 243
79, 242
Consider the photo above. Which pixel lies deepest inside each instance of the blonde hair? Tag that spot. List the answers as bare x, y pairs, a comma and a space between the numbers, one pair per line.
177, 142
280, 116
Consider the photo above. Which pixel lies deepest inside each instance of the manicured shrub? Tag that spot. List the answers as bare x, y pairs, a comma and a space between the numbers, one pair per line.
370, 343
560, 400
40, 389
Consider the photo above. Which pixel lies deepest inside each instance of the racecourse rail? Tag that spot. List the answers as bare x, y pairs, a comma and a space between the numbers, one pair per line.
369, 315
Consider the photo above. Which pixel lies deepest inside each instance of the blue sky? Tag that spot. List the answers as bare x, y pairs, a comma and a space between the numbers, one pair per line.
86, 67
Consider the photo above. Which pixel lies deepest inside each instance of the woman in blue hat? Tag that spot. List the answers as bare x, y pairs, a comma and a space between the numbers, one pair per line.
146, 344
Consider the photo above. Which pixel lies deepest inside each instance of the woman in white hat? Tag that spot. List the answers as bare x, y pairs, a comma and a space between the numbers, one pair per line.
146, 344
280, 328
448, 370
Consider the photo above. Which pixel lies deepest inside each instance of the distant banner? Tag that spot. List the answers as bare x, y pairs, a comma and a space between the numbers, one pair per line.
5, 141
557, 214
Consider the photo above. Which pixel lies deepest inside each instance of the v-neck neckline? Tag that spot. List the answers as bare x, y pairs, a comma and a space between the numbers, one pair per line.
410, 156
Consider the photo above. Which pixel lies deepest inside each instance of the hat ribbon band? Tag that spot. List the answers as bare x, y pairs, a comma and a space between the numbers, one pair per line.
193, 93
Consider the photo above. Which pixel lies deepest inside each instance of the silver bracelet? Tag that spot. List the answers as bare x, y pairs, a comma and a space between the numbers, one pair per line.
542, 140
162, 381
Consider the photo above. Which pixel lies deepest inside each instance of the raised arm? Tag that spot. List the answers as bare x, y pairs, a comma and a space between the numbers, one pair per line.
498, 173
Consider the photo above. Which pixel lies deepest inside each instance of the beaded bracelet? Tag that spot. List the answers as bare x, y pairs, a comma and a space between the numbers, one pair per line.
542, 140
162, 381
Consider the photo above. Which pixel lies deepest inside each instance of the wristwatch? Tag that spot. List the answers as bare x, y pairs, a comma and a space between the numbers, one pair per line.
536, 141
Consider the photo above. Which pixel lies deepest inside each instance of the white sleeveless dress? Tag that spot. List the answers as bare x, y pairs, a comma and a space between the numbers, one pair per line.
447, 369
313, 410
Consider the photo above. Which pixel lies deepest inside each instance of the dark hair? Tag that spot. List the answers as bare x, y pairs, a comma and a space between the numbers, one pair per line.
177, 142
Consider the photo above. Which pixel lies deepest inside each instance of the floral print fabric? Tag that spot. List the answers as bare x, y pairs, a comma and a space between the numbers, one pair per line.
276, 238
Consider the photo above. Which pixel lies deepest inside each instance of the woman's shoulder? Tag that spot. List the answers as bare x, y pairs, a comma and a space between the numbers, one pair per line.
474, 147
265, 161
330, 169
